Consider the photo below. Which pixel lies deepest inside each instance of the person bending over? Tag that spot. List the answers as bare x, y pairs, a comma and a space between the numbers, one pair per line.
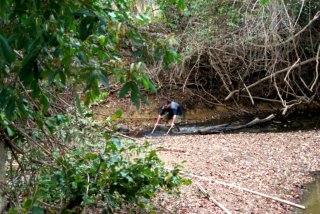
170, 111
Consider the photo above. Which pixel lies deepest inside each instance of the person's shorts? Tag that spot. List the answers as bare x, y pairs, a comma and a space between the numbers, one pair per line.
167, 117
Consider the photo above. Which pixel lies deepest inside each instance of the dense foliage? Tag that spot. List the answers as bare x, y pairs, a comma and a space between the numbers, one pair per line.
100, 172
54, 55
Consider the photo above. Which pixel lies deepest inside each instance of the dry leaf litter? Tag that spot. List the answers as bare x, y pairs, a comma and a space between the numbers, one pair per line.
277, 164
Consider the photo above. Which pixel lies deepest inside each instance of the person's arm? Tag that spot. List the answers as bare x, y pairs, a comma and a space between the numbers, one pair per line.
155, 125
159, 116
158, 119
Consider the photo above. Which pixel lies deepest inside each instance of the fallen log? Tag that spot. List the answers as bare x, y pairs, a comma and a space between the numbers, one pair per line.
227, 127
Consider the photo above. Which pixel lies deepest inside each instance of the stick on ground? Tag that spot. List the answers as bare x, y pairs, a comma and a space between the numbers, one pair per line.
247, 190
241, 188
212, 199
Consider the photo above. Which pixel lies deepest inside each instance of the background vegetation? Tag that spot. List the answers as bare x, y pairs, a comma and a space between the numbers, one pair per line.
245, 50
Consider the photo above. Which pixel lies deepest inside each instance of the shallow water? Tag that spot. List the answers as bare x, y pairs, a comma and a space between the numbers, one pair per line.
311, 199
293, 122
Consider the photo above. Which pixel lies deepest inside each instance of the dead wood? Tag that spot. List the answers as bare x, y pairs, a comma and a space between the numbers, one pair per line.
226, 127
271, 76
160, 149
207, 195
240, 188
251, 191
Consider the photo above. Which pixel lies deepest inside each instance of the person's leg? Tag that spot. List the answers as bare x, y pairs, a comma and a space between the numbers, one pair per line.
177, 123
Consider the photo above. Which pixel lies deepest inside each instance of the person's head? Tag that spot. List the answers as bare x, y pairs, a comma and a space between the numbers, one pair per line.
167, 105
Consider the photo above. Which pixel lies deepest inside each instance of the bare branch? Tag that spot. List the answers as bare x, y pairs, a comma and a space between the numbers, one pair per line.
270, 76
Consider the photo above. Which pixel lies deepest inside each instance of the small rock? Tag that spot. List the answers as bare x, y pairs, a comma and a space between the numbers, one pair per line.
228, 159
122, 128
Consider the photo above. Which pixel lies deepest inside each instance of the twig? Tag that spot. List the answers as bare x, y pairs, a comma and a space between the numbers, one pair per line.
28, 137
87, 192
245, 86
13, 146
302, 5
21, 167
121, 135
245, 189
317, 70
48, 205
287, 75
171, 150
241, 188
212, 199
292, 37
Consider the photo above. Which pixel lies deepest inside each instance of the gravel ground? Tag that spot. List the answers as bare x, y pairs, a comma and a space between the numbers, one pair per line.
277, 164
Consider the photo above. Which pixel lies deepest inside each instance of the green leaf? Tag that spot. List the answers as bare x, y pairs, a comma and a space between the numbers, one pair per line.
106, 135
6, 49
152, 87
27, 204
91, 81
50, 123
63, 77
3, 4
181, 4
116, 115
44, 102
104, 80
53, 76
4, 95
148, 84
85, 27
135, 99
10, 109
37, 210
22, 108
135, 88
144, 99
60, 118
102, 39
10, 132
27, 73
264, 1
124, 90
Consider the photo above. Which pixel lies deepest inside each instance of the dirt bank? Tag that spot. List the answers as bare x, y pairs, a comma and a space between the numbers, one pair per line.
277, 164
195, 111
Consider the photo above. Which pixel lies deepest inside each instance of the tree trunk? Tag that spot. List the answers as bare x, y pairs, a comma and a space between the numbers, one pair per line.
3, 158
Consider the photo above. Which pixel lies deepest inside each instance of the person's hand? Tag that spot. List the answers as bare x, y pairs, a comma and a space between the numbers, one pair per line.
172, 125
